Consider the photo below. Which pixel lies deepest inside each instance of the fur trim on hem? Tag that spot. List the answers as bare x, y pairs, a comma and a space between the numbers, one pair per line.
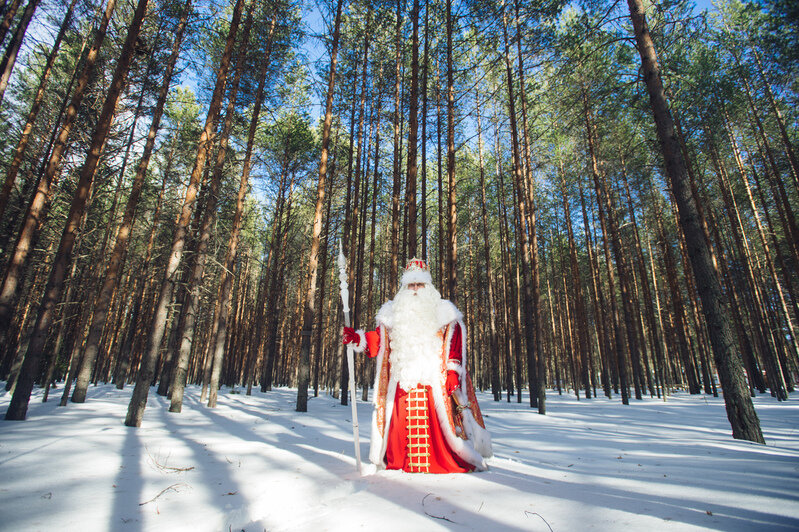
463, 448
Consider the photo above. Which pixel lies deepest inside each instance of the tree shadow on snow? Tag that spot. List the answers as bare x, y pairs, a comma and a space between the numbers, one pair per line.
128, 485
670, 509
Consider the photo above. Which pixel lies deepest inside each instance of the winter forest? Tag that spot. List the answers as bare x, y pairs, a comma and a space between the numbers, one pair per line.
608, 191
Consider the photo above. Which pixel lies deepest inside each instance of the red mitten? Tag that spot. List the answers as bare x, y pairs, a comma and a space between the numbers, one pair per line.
453, 381
350, 336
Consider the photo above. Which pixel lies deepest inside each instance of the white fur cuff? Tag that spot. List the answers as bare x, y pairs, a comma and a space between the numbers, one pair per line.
360, 347
454, 365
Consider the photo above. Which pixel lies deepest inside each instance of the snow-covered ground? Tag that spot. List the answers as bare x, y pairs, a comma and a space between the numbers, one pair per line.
255, 464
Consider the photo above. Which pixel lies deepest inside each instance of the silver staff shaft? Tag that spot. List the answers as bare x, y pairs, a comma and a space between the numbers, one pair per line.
345, 296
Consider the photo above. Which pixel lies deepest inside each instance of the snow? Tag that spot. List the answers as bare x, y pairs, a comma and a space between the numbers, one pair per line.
254, 464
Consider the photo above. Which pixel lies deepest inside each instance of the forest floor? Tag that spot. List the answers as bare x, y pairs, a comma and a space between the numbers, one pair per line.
254, 464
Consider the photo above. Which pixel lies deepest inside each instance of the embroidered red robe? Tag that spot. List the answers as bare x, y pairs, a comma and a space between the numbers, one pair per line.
423, 429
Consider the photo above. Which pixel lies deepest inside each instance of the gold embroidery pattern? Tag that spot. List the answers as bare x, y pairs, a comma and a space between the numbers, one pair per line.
473, 405
385, 371
418, 423
452, 419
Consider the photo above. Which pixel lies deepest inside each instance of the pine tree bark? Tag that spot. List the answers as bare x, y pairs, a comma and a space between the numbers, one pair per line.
425, 64
206, 230
537, 372
579, 302
511, 332
605, 332
395, 191
138, 400
496, 386
413, 131
649, 313
276, 266
778, 382
610, 232
33, 113
116, 261
17, 409
10, 57
783, 205
452, 211
740, 410
786, 142
677, 314
225, 288
442, 258
36, 208
528, 301
750, 289
8, 18
313, 259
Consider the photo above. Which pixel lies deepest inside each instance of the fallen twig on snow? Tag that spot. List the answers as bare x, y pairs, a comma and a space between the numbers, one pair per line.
173, 487
435, 516
163, 467
528, 514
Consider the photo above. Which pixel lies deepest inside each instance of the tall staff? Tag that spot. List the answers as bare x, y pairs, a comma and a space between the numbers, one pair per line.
345, 296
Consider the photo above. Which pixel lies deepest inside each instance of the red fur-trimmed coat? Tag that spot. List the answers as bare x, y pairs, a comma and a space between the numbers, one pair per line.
464, 432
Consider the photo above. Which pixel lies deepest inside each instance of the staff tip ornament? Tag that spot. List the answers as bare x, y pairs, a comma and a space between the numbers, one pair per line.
342, 277
342, 260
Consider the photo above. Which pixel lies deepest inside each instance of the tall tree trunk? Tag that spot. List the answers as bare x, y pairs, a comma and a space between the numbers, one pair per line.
313, 259
740, 410
276, 250
425, 64
757, 312
18, 407
778, 383
579, 303
680, 330
511, 326
786, 142
442, 260
8, 18
34, 214
206, 229
610, 231
225, 288
641, 266
605, 333
780, 196
537, 372
413, 130
529, 302
452, 211
138, 400
10, 57
124, 231
395, 192
22, 144
496, 386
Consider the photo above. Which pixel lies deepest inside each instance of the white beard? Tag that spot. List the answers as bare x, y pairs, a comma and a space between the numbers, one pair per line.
415, 345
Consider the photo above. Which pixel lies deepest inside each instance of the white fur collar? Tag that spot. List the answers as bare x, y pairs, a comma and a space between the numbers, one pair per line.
446, 313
